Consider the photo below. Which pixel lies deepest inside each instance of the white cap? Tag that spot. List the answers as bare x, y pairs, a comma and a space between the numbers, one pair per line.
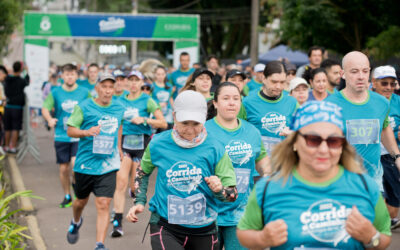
259, 67
384, 71
296, 82
190, 106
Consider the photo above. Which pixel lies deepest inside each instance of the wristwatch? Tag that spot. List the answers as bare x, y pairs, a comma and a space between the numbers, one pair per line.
396, 156
374, 242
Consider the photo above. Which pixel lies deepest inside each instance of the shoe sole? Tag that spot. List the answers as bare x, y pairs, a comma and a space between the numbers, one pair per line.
67, 205
72, 239
116, 234
395, 226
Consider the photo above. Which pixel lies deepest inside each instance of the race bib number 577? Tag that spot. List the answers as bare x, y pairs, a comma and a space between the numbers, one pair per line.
363, 131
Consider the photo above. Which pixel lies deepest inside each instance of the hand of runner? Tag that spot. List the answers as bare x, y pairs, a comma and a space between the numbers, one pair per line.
137, 120
132, 214
273, 234
214, 183
52, 122
359, 227
93, 131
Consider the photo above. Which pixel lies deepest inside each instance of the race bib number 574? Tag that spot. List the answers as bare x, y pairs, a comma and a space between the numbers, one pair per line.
363, 131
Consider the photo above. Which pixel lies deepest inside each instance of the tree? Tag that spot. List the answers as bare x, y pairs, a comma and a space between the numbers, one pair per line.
338, 25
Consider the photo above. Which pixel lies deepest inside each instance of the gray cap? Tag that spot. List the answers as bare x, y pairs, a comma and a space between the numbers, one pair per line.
106, 76
190, 106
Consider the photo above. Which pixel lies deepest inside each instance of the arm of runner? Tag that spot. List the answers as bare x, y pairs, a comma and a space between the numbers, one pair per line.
389, 142
48, 105
154, 109
74, 123
226, 174
251, 231
121, 155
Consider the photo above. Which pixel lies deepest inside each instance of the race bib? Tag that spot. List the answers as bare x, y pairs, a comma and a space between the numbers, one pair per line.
186, 210
133, 142
363, 131
65, 120
242, 179
269, 143
103, 144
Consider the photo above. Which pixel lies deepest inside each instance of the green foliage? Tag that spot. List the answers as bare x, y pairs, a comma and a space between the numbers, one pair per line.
11, 234
11, 12
338, 25
386, 44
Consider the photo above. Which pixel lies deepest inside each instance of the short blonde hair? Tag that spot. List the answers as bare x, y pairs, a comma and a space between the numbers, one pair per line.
284, 159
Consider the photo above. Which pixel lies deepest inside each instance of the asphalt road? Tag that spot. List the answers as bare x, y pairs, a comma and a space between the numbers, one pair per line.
54, 221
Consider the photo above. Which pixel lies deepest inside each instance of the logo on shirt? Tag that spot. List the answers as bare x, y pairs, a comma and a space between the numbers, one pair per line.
325, 221
184, 176
68, 105
162, 96
239, 151
131, 113
181, 80
273, 122
108, 124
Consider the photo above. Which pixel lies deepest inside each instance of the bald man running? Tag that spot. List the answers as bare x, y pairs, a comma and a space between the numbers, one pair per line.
365, 114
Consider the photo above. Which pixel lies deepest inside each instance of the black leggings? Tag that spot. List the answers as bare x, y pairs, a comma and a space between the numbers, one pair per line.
163, 239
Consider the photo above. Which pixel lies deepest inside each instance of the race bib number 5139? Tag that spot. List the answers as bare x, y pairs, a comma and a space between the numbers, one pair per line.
186, 210
363, 131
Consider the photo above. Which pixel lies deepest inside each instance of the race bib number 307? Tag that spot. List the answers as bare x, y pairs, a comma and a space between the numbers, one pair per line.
363, 131
186, 210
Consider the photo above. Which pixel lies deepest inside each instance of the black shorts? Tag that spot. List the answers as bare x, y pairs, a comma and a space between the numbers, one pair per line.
391, 181
13, 118
65, 151
101, 185
138, 153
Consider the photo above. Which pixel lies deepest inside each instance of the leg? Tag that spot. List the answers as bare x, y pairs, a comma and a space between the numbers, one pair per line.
133, 175
103, 217
7, 138
161, 239
14, 138
393, 211
65, 177
77, 208
122, 181
203, 242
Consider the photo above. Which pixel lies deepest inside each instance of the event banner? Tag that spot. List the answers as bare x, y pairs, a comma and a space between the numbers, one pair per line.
112, 26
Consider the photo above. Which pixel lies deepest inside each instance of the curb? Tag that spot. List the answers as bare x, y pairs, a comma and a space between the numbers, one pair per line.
25, 203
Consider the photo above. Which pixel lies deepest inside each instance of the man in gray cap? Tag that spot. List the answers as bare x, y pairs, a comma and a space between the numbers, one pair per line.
97, 123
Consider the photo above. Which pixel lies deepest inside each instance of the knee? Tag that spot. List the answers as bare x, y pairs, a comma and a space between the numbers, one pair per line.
103, 203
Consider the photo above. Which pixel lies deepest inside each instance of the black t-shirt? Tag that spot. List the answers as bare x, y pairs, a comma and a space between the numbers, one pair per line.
14, 89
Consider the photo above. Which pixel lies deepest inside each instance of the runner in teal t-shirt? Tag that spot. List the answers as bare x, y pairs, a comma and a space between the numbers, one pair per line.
120, 84
201, 81
237, 77
366, 116
162, 94
63, 100
97, 123
269, 110
242, 142
90, 82
179, 77
136, 132
311, 200
256, 83
191, 174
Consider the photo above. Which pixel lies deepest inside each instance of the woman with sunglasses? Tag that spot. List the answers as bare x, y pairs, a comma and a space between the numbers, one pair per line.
243, 144
317, 195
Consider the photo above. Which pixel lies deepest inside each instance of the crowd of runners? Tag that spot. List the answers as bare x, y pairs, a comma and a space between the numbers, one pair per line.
269, 156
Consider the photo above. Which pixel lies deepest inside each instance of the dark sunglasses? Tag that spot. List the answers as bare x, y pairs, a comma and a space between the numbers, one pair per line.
315, 140
293, 73
385, 84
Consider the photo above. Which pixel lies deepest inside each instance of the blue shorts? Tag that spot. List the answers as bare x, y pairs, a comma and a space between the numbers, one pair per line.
391, 181
65, 151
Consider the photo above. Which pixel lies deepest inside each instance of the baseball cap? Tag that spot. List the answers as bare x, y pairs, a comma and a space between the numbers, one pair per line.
201, 71
259, 67
190, 105
296, 82
384, 71
136, 73
118, 73
106, 76
235, 72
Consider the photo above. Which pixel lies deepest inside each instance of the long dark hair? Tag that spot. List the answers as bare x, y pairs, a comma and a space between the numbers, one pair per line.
212, 111
165, 79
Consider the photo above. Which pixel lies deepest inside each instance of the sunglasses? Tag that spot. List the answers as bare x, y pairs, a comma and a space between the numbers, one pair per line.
315, 140
293, 73
385, 84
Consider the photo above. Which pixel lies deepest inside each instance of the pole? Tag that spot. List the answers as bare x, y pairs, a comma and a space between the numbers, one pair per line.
255, 5
135, 7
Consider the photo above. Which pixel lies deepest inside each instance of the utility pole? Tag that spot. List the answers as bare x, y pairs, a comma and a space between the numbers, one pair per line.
255, 10
135, 8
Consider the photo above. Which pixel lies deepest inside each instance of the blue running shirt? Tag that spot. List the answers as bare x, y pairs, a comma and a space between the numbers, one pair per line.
178, 78
162, 97
63, 102
85, 83
97, 155
244, 147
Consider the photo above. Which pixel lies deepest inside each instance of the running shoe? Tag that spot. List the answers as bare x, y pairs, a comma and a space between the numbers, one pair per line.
12, 151
67, 202
117, 230
73, 232
395, 223
100, 246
